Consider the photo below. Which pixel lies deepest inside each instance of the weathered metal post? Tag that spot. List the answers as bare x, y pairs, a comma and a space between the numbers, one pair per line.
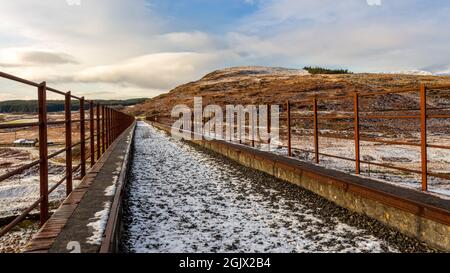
356, 125
82, 139
103, 130
116, 125
252, 124
107, 126
288, 104
113, 125
43, 152
423, 135
240, 127
269, 124
110, 126
113, 137
316, 131
91, 132
98, 131
68, 117
192, 124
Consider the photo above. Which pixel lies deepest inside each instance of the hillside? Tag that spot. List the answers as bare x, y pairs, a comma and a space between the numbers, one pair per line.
255, 85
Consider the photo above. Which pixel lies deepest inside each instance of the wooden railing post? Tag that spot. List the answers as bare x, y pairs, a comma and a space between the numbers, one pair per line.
91, 132
82, 139
68, 117
43, 152
316, 131
356, 125
98, 131
288, 104
423, 136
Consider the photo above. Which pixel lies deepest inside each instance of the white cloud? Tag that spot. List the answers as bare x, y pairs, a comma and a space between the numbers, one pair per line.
116, 45
17, 57
160, 70
348, 33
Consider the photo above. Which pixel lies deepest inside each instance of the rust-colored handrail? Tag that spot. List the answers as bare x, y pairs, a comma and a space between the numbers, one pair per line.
353, 119
116, 120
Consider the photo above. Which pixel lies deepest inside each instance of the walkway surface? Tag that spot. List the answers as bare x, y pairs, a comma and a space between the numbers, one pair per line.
79, 224
182, 198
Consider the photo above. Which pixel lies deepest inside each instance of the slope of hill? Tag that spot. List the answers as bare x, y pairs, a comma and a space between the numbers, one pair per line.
255, 85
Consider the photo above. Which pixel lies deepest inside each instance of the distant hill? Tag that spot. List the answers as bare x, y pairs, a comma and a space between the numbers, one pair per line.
31, 106
262, 85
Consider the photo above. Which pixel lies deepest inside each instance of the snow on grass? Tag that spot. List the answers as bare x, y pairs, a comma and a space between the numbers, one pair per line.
19, 193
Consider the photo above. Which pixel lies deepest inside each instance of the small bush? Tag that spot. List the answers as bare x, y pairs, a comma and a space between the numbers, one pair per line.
321, 70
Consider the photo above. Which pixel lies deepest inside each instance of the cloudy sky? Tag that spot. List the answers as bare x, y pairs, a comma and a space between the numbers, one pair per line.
141, 48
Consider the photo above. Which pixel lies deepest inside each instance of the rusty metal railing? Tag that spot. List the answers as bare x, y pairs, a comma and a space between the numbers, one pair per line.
105, 125
354, 116
421, 119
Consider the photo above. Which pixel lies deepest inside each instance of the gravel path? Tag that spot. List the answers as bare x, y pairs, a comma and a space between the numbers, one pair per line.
182, 198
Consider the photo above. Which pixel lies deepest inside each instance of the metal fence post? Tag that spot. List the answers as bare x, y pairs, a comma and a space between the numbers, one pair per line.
252, 124
108, 128
91, 132
269, 124
192, 125
103, 130
82, 139
356, 125
43, 152
68, 114
115, 124
423, 135
98, 131
288, 104
316, 131
113, 129
112, 125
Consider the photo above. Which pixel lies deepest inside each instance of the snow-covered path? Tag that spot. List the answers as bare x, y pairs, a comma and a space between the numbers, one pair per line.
182, 199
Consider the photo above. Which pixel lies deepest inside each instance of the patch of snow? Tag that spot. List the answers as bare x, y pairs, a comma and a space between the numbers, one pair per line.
99, 224
414, 72
110, 191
